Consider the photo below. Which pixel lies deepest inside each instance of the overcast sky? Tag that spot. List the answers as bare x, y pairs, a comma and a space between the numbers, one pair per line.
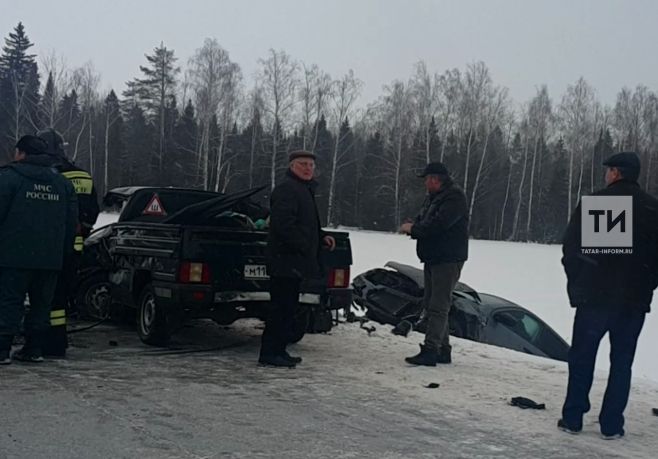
525, 43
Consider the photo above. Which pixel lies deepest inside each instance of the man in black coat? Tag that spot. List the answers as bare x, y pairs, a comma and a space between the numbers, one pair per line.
441, 232
293, 254
611, 261
38, 216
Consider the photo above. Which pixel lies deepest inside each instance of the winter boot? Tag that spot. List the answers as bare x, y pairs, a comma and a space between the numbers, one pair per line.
427, 357
402, 328
564, 427
31, 350
445, 354
293, 359
5, 349
27, 355
279, 360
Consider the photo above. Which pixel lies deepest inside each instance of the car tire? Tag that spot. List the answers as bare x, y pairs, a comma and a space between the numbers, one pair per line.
300, 324
93, 300
152, 320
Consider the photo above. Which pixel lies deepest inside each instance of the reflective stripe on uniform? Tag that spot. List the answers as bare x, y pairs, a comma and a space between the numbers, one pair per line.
78, 244
58, 317
81, 181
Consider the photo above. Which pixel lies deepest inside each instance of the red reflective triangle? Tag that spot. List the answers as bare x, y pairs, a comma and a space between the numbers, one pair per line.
154, 207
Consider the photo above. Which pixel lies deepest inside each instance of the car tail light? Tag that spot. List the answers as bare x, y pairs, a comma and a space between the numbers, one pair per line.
194, 273
339, 278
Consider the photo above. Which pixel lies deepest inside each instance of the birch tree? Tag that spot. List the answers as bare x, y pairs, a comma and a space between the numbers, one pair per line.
576, 122
345, 94
279, 81
208, 69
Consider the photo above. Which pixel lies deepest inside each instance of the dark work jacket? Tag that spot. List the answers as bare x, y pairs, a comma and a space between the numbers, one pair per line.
293, 245
441, 227
38, 215
88, 209
615, 280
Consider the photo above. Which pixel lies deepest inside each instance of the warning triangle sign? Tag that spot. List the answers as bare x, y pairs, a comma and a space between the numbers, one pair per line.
154, 207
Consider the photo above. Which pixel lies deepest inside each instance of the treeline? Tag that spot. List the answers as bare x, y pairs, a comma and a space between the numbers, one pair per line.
523, 167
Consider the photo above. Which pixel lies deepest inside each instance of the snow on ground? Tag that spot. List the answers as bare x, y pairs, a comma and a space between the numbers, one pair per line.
469, 414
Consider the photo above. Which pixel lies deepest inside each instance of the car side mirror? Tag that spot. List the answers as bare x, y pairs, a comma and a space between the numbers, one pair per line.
506, 319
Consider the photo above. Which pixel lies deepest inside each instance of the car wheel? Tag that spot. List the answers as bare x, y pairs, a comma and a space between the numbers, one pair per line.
152, 324
93, 300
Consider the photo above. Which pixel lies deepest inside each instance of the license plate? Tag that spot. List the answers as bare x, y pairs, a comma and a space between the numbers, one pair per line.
255, 272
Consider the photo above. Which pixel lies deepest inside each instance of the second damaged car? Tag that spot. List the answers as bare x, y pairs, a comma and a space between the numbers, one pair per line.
393, 295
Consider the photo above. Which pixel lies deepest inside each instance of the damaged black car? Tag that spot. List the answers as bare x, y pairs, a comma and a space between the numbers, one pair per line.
393, 295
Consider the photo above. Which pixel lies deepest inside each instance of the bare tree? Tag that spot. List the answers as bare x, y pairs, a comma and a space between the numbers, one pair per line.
208, 71
230, 94
85, 82
477, 82
576, 116
450, 93
495, 105
314, 94
56, 86
346, 92
539, 117
396, 125
425, 89
278, 79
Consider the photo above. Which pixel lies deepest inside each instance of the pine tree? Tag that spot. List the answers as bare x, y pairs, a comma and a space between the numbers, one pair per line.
154, 92
19, 88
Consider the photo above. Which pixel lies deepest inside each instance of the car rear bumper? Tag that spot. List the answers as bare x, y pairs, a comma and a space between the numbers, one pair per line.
198, 296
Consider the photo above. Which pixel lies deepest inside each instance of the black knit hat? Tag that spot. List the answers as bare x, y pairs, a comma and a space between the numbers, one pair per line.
436, 168
32, 145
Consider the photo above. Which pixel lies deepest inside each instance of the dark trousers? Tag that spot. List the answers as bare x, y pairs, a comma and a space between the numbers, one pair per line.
440, 281
590, 324
39, 284
55, 341
284, 297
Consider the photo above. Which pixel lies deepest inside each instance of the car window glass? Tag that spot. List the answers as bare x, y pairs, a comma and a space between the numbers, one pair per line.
535, 332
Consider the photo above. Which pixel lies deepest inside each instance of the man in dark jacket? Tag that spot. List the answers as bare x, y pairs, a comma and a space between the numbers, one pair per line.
611, 261
38, 214
441, 232
293, 250
55, 342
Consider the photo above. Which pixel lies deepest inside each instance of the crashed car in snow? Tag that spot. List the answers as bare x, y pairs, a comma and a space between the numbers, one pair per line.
176, 254
394, 294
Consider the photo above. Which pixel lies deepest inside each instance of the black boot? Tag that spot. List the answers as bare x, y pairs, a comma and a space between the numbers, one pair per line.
445, 354
278, 360
293, 359
403, 328
31, 350
5, 349
427, 357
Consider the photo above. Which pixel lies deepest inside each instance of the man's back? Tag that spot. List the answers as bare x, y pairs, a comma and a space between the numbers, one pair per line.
36, 224
628, 279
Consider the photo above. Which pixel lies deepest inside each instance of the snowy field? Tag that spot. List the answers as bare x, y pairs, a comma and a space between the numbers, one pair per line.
530, 275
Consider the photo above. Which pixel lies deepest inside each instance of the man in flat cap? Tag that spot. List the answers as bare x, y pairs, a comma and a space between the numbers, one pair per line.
441, 233
610, 258
293, 254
